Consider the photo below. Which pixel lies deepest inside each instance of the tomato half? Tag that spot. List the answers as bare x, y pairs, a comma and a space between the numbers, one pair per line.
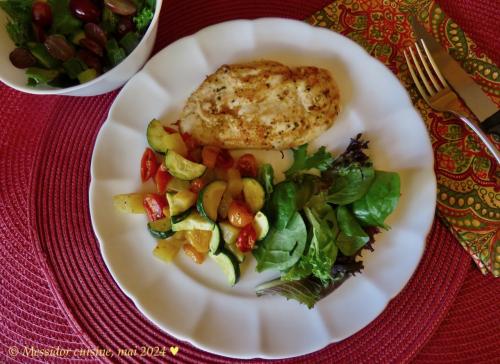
149, 164
197, 185
162, 178
170, 130
189, 140
246, 238
154, 204
239, 214
224, 159
247, 165
209, 156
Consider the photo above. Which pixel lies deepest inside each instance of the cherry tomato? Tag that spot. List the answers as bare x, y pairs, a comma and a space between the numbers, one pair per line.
247, 165
162, 178
169, 130
209, 156
194, 155
224, 159
190, 141
149, 164
239, 214
154, 205
197, 185
246, 238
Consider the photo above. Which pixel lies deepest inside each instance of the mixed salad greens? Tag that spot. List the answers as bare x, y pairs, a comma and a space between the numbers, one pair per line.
310, 227
320, 222
62, 43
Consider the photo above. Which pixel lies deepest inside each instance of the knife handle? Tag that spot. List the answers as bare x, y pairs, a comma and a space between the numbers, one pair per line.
492, 124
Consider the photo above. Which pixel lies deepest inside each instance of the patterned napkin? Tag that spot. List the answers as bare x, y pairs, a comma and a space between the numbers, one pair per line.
468, 197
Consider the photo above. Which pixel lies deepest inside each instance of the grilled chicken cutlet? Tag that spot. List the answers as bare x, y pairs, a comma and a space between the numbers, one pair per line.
261, 104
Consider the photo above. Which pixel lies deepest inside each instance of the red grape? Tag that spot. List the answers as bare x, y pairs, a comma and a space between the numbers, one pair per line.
121, 7
92, 46
22, 58
95, 32
85, 10
59, 47
41, 14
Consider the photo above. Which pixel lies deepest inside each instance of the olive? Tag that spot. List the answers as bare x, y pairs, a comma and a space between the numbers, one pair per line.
92, 46
121, 7
59, 47
125, 25
22, 58
85, 10
95, 32
41, 13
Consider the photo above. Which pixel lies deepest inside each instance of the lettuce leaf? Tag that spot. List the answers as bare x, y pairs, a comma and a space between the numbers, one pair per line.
321, 160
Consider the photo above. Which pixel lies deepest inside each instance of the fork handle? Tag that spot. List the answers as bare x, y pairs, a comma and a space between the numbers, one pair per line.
491, 147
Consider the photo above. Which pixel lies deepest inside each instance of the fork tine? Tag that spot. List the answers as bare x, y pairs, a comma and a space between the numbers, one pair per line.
426, 66
434, 65
421, 73
415, 78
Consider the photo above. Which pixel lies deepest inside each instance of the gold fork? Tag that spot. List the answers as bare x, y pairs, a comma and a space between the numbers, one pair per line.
436, 92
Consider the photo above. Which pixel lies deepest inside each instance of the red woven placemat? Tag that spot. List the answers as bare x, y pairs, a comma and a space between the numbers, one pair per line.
57, 292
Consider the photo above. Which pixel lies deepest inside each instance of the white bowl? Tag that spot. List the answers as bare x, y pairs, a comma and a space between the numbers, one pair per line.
111, 80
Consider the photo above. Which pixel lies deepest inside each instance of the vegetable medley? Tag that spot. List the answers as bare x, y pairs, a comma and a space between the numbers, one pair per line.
309, 227
62, 43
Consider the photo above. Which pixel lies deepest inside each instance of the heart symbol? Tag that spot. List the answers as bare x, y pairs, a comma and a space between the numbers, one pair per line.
174, 350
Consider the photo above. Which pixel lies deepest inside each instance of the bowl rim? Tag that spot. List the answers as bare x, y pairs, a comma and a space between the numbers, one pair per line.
67, 90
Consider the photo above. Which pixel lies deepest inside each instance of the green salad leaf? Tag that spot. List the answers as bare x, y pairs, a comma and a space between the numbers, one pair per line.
63, 20
379, 201
352, 237
321, 160
266, 178
350, 183
19, 23
281, 249
322, 250
143, 18
283, 204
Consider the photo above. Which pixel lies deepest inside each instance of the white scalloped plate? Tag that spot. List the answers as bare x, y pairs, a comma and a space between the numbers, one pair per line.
193, 302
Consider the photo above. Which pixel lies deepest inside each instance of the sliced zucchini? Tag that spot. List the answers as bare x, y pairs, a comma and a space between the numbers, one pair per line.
177, 185
131, 203
161, 141
229, 232
161, 229
209, 199
180, 167
254, 194
216, 244
229, 265
181, 216
237, 252
180, 201
230, 235
193, 222
261, 225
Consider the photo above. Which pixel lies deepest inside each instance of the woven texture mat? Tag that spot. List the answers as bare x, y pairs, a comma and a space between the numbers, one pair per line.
55, 290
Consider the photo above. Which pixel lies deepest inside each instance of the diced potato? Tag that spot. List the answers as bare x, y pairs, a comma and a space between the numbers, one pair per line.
234, 183
181, 201
177, 185
225, 202
167, 249
199, 239
176, 143
131, 203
